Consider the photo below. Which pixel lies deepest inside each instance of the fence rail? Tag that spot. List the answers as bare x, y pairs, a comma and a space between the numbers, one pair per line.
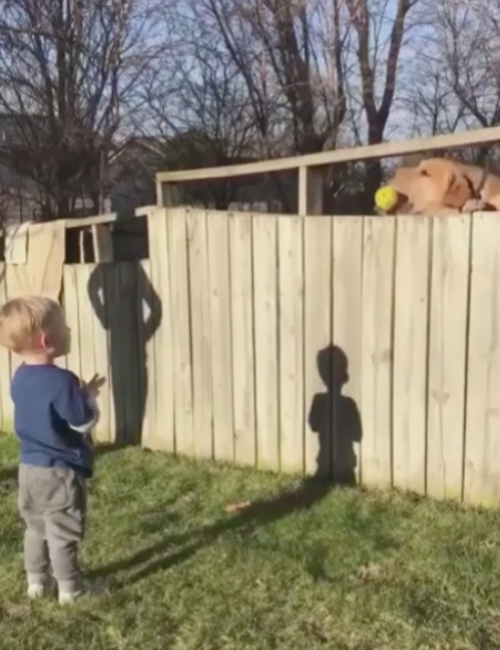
363, 348
311, 167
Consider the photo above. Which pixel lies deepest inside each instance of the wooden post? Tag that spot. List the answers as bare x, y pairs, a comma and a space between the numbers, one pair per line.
167, 194
102, 243
81, 245
310, 190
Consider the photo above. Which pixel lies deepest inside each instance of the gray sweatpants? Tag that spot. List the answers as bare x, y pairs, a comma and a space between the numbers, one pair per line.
53, 504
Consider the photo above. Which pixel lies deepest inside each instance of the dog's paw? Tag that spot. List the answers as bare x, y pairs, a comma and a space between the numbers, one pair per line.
473, 205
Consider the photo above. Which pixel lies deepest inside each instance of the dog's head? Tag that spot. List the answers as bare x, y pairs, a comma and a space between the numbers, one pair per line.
432, 184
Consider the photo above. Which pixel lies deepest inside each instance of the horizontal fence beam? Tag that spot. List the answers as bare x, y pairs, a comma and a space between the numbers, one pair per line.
385, 150
101, 219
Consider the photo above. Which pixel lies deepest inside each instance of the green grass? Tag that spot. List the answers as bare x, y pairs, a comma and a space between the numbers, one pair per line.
303, 568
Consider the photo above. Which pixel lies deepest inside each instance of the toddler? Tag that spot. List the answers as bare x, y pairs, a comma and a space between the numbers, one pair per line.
53, 416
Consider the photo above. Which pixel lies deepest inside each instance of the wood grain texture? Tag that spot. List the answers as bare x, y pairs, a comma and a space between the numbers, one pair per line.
220, 316
266, 340
201, 337
243, 335
377, 350
347, 304
317, 345
291, 343
410, 353
447, 356
482, 433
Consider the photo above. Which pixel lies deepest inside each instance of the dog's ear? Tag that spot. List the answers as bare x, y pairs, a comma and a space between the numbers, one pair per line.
458, 190
413, 160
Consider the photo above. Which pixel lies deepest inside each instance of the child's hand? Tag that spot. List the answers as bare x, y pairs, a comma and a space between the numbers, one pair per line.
94, 385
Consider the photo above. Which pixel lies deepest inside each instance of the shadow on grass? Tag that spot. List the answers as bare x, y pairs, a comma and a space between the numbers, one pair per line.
334, 418
108, 448
143, 563
8, 477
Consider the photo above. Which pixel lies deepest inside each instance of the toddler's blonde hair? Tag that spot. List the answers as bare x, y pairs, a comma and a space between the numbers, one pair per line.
24, 317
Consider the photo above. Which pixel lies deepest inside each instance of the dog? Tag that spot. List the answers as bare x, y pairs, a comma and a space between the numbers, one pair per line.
442, 186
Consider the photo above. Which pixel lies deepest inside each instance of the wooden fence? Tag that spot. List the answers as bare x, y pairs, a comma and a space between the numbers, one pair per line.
262, 313
349, 346
266, 312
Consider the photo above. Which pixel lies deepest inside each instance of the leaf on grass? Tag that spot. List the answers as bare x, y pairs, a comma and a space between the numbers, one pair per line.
236, 507
370, 571
19, 612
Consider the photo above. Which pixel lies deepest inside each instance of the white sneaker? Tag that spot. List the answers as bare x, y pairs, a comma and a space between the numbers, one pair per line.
36, 591
68, 597
41, 589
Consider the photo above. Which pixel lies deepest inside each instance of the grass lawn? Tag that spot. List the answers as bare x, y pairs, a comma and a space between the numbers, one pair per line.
304, 569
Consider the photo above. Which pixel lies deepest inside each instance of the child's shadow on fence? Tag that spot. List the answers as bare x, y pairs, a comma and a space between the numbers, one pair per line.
130, 311
335, 418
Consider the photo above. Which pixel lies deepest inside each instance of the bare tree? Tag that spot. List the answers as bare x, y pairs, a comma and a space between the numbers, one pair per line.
456, 68
202, 93
469, 35
68, 73
431, 105
380, 38
261, 78
289, 55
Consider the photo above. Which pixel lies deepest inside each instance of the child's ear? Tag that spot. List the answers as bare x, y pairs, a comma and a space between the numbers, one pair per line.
38, 340
44, 341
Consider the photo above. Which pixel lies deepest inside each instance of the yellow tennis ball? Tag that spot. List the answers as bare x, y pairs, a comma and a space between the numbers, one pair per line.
386, 198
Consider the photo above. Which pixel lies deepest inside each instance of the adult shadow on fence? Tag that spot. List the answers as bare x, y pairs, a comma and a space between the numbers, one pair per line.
130, 311
335, 419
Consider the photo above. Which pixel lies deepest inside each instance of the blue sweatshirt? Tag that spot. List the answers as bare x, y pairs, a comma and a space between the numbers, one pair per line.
51, 411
